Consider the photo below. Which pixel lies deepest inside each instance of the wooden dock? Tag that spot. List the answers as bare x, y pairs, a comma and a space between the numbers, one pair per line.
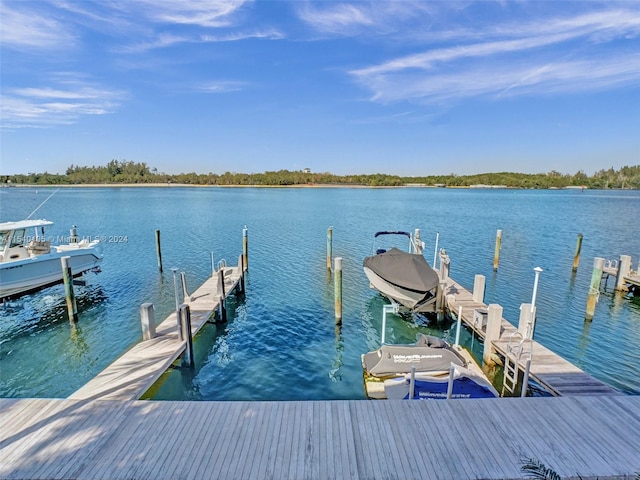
577, 437
553, 372
131, 375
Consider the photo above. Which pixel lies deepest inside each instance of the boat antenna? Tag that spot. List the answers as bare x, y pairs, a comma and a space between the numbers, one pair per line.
46, 200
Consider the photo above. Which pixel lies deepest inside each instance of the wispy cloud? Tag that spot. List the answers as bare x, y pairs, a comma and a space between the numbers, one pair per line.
29, 28
223, 86
62, 104
554, 55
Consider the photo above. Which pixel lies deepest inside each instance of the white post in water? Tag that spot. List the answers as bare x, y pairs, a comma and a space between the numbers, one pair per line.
329, 248
148, 321
158, 251
213, 266
222, 308
458, 326
624, 266
245, 247
435, 251
67, 277
337, 290
185, 294
532, 319
478, 288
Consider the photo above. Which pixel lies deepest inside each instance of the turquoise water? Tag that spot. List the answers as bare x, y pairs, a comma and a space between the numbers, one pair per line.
281, 341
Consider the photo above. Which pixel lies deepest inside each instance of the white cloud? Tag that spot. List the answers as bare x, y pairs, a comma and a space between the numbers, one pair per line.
28, 28
63, 104
222, 86
553, 55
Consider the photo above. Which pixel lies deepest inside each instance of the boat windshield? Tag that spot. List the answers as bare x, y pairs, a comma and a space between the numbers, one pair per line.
4, 236
18, 238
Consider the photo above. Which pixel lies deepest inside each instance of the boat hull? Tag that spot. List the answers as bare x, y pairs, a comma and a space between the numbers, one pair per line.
34, 273
419, 302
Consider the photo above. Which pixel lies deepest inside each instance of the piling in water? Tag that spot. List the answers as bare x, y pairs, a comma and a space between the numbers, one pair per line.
329, 248
222, 293
594, 289
337, 289
67, 277
496, 254
245, 247
159, 250
185, 324
492, 333
624, 267
478, 288
576, 255
147, 321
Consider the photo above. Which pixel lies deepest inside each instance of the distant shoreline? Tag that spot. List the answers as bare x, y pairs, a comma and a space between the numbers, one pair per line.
314, 185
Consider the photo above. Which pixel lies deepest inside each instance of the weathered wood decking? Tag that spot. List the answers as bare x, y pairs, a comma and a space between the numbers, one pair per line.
136, 370
594, 437
552, 371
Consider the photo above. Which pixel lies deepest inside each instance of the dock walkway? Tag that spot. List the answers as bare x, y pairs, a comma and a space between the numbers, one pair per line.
549, 369
589, 437
131, 375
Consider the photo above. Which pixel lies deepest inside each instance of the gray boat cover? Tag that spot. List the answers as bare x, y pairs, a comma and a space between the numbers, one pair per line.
406, 270
430, 355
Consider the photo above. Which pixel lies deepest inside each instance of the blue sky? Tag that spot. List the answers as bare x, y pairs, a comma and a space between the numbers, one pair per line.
398, 87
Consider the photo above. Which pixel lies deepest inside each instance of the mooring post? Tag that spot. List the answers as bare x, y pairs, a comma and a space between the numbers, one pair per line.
159, 250
245, 247
435, 251
527, 321
624, 267
452, 373
175, 291
417, 243
444, 264
147, 321
337, 289
440, 301
594, 288
70, 297
496, 254
494, 324
576, 255
185, 317
241, 268
478, 288
222, 308
329, 248
213, 266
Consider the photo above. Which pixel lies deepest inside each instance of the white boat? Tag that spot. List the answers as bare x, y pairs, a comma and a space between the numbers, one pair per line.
404, 277
28, 261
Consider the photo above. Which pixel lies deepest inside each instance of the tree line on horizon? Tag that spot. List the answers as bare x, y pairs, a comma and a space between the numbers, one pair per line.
123, 172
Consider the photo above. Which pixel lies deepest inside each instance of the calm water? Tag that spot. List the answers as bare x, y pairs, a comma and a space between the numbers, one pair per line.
281, 341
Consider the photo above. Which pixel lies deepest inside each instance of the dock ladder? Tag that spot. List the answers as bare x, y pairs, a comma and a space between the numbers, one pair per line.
515, 351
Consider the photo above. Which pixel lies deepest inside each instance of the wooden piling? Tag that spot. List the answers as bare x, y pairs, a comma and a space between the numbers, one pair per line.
337, 290
478, 288
494, 321
527, 321
159, 250
624, 267
329, 248
594, 288
496, 254
67, 277
245, 247
185, 324
147, 321
241, 268
576, 255
223, 303
417, 243
444, 264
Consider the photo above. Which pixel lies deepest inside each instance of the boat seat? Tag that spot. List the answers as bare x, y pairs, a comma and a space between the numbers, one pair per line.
16, 253
38, 247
